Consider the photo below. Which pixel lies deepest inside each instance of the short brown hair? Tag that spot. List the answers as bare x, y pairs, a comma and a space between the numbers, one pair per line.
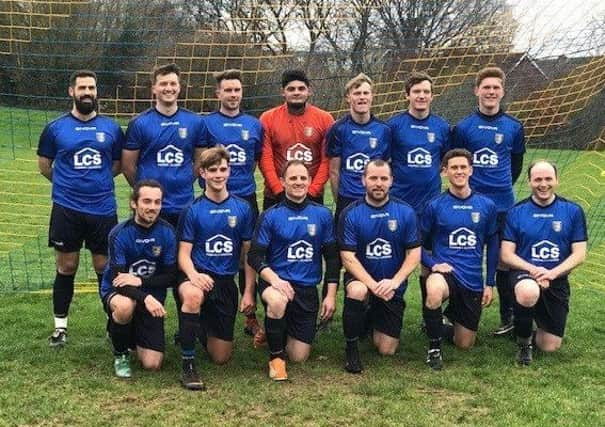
456, 152
162, 70
214, 156
489, 72
81, 73
417, 77
357, 81
291, 163
231, 74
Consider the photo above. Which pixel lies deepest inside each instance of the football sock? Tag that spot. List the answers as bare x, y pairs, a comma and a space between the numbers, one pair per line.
190, 323
120, 336
353, 318
434, 324
276, 336
63, 292
524, 317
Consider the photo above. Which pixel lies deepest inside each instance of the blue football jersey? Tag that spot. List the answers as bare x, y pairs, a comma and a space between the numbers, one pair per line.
491, 140
418, 145
83, 154
356, 144
217, 231
142, 252
544, 234
458, 230
166, 147
379, 236
242, 136
293, 236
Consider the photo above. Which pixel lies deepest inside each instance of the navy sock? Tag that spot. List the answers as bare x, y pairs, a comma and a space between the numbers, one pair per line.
120, 336
63, 292
276, 336
190, 323
524, 317
353, 319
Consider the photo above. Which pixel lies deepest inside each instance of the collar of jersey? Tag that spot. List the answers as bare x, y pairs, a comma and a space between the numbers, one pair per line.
296, 206
499, 114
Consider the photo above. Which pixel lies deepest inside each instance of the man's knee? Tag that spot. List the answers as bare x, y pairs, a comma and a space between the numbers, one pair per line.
357, 291
122, 309
191, 297
67, 263
276, 303
527, 293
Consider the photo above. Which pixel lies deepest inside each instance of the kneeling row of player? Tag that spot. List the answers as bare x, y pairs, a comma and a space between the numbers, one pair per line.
379, 241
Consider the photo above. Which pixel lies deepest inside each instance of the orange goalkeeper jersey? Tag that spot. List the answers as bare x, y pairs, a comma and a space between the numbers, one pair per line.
301, 137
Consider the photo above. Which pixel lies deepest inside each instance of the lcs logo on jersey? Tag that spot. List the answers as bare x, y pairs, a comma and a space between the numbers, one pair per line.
485, 158
170, 156
142, 268
88, 158
301, 251
237, 155
299, 152
419, 158
545, 250
219, 245
462, 238
356, 162
379, 249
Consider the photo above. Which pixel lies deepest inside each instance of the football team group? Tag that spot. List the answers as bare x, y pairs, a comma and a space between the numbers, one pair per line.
391, 218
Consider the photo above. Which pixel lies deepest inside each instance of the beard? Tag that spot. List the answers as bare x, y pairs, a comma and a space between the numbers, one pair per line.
377, 197
85, 104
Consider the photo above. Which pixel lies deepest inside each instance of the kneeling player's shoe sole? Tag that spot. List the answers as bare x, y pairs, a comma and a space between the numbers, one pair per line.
277, 369
121, 366
434, 359
260, 338
58, 339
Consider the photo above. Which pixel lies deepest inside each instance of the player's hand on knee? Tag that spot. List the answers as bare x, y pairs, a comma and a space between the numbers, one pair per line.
126, 279
202, 281
443, 268
154, 307
284, 287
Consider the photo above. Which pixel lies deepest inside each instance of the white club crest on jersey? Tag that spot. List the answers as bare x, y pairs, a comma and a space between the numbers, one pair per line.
498, 138
476, 217
373, 142
312, 229
245, 134
232, 220
156, 250
392, 224
183, 133
557, 226
308, 131
100, 136
430, 136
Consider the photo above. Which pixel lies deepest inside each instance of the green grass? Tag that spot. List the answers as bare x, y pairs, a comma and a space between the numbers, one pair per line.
76, 386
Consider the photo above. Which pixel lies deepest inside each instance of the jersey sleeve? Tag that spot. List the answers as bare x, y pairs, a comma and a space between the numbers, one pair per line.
447, 139
412, 236
117, 251
134, 137
387, 139
321, 177
510, 229
118, 143
328, 227
492, 227
169, 255
266, 164
46, 144
579, 229
258, 147
347, 236
334, 142
262, 234
519, 141
203, 138
457, 137
247, 223
187, 226
426, 223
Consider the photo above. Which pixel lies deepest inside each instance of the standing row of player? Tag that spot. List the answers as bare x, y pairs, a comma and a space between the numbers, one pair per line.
80, 151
